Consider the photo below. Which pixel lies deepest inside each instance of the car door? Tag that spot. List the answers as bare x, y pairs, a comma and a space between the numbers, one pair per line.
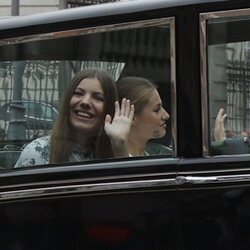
214, 206
126, 203
193, 198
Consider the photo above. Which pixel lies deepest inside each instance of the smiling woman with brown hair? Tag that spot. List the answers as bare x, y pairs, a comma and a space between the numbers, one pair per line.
90, 124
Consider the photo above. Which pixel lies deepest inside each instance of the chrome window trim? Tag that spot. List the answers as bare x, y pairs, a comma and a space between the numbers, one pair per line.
204, 17
176, 183
86, 188
173, 86
114, 27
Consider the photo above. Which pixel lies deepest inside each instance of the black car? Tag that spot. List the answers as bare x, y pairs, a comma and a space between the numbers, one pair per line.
197, 52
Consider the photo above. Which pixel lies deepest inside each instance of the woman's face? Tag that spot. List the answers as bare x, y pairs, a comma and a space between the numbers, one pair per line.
87, 107
151, 122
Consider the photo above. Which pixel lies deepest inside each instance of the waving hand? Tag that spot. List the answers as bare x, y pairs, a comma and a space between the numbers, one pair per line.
118, 129
219, 129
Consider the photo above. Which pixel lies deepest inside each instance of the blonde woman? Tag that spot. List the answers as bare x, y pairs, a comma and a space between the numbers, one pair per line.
150, 117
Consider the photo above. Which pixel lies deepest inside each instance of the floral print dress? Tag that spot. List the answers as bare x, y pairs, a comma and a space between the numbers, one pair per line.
37, 153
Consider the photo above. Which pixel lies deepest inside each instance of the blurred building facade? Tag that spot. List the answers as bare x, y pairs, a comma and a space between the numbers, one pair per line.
28, 7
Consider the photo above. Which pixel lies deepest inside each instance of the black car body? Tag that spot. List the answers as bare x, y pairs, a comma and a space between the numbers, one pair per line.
189, 200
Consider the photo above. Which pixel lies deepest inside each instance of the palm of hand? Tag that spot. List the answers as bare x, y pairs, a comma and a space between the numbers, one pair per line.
119, 127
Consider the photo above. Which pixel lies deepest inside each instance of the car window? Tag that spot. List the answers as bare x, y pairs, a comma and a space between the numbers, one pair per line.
225, 51
33, 81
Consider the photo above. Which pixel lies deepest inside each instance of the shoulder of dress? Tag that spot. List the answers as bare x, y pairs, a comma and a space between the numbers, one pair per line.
39, 141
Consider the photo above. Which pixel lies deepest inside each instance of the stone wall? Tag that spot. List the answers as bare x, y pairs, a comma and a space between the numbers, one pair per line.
28, 7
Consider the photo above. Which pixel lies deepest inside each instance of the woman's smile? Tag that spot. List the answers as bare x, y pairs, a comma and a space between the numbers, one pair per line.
87, 107
84, 114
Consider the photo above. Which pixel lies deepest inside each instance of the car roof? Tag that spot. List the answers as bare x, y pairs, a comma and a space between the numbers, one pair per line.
100, 10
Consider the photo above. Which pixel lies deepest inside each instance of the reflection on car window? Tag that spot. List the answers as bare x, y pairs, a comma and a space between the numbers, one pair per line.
32, 90
229, 78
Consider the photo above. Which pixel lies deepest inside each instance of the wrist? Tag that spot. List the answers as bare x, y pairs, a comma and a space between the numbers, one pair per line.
120, 147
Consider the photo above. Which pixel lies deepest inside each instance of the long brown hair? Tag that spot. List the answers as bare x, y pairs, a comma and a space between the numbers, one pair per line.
61, 133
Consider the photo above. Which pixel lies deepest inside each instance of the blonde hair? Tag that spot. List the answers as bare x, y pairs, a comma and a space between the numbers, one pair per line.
137, 89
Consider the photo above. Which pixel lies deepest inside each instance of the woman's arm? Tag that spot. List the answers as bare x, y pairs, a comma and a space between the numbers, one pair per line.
222, 144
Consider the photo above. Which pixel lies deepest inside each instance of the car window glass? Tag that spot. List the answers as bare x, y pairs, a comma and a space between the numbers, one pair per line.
228, 40
34, 75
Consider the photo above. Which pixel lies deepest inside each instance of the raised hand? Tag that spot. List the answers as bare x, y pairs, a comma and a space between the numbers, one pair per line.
219, 129
118, 129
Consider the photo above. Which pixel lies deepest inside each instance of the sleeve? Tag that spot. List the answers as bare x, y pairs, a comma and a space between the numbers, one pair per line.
230, 147
35, 153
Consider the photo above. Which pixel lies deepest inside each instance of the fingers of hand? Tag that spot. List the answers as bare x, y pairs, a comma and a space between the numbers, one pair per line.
220, 117
117, 108
221, 110
108, 119
123, 106
126, 108
131, 113
224, 116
